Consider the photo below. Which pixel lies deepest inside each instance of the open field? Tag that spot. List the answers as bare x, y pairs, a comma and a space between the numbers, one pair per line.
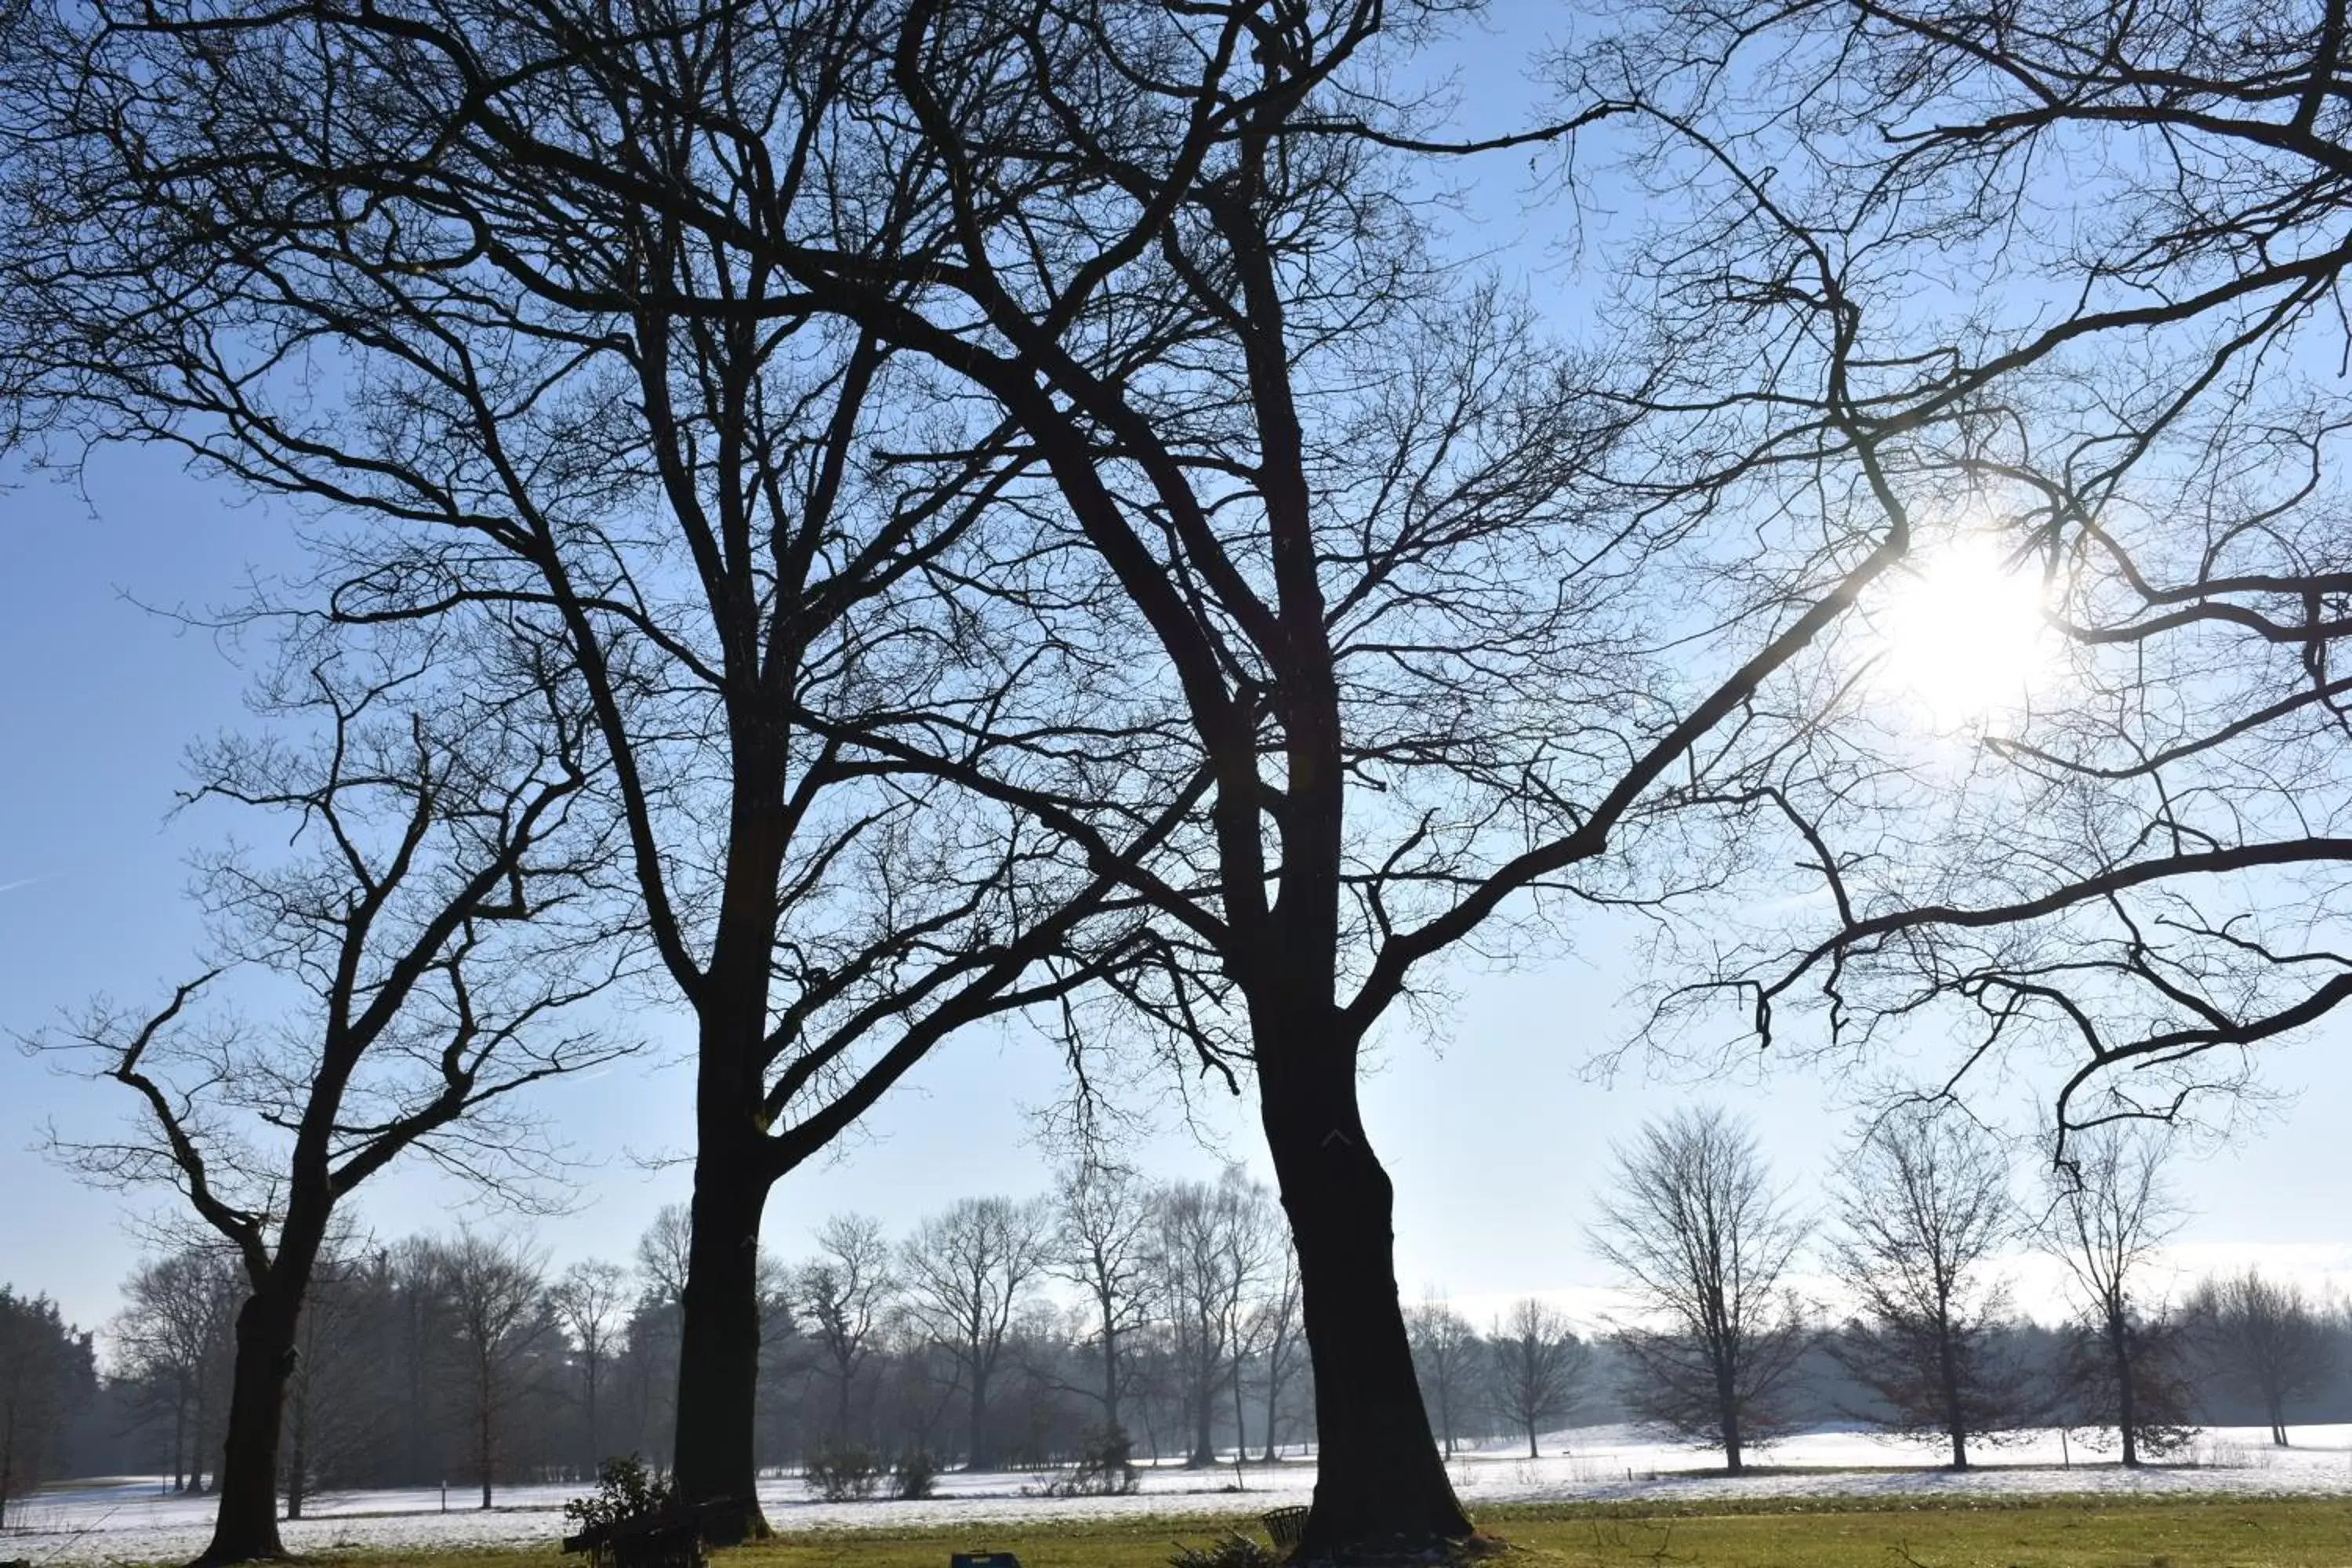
1595, 1474
2096, 1530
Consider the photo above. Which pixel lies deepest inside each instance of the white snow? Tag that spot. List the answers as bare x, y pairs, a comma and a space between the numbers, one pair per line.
131, 1519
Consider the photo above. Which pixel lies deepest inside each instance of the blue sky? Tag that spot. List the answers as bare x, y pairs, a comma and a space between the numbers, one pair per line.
1496, 1137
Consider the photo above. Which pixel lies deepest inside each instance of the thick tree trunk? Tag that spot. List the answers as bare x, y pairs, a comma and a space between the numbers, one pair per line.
718, 1355
1204, 1437
245, 1526
1380, 1487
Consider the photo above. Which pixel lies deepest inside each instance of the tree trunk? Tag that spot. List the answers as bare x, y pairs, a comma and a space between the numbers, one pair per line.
1379, 1484
245, 1526
718, 1355
1110, 1368
298, 1458
1727, 1399
2127, 1414
1204, 1437
1531, 1441
978, 1457
1954, 1419
1273, 1381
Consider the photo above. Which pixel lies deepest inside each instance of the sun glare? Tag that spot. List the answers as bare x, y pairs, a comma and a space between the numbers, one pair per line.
1961, 633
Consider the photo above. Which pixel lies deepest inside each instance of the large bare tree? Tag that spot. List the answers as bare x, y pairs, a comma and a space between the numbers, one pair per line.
1440, 630
729, 525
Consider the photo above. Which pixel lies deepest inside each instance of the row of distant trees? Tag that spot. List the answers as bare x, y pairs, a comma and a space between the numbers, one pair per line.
1915, 1223
1001, 1332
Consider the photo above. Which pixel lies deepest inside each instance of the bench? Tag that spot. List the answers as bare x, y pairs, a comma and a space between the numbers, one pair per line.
669, 1539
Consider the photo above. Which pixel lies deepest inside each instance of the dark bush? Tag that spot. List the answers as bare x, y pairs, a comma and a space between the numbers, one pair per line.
914, 1475
626, 1489
843, 1471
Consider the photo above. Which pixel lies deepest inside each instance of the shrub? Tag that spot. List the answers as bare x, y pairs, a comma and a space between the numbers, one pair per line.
914, 1476
626, 1489
1106, 1466
1231, 1550
843, 1471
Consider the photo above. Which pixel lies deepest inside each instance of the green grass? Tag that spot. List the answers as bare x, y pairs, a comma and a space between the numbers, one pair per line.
1796, 1532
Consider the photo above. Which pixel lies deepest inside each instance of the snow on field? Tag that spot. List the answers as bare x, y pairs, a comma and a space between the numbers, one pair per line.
130, 1521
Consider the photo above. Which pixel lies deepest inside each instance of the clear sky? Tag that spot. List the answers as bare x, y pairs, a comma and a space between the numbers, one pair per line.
1495, 1135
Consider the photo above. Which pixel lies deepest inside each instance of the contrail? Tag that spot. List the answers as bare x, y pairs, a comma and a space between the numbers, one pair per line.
19, 882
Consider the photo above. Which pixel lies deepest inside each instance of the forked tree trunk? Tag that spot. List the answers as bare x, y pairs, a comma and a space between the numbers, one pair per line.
1379, 1484
719, 1353
245, 1525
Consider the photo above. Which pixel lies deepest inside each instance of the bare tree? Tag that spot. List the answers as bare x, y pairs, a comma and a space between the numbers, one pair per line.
1363, 589
438, 907
730, 527
2264, 1336
499, 1316
1448, 1357
1536, 1367
1208, 1254
966, 1275
175, 1337
848, 1290
1102, 1217
2110, 1210
665, 1252
1274, 1329
1923, 1205
1704, 1241
591, 1299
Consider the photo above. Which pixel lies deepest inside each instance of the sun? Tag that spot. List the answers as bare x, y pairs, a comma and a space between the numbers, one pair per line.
1961, 632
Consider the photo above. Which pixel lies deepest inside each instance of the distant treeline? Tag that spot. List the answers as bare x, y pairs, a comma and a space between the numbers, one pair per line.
1000, 1333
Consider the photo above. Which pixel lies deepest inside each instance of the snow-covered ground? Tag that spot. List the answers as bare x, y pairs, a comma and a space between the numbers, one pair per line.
128, 1521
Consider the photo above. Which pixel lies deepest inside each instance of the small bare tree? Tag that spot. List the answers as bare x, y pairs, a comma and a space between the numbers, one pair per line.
1274, 1327
1209, 1253
591, 1301
2264, 1335
1705, 1242
174, 1339
496, 1295
1446, 1356
1536, 1367
438, 908
2109, 1211
968, 1272
1923, 1206
1101, 1246
847, 1293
